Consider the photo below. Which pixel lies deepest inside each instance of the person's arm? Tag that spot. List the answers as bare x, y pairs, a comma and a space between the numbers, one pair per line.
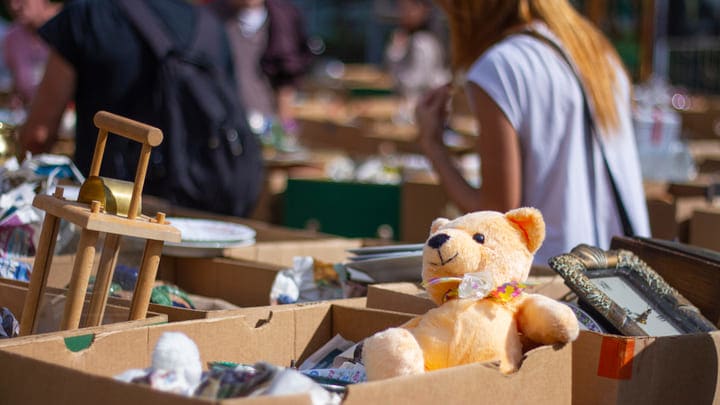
497, 145
56, 90
500, 155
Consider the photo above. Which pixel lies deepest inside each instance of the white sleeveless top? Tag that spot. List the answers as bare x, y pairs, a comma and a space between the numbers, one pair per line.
537, 91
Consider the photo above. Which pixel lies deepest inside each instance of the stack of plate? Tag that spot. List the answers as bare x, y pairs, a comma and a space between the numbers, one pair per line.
207, 238
385, 264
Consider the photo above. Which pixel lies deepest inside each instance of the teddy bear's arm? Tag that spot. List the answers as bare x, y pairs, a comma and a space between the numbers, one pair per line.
546, 321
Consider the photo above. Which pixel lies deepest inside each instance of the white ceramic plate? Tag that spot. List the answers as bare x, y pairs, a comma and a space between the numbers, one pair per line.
197, 232
179, 250
206, 238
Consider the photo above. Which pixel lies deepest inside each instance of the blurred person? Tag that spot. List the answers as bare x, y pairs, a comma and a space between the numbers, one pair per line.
100, 58
414, 55
534, 142
271, 55
25, 52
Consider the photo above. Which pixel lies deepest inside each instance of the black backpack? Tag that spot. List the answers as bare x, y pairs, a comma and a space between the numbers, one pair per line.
210, 159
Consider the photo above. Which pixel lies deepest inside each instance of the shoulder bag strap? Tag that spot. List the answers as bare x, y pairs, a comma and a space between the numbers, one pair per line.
590, 118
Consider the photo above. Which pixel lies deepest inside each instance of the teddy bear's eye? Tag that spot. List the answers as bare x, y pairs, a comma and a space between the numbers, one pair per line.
479, 238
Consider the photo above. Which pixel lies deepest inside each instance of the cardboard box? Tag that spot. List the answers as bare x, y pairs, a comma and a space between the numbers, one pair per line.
673, 369
243, 283
401, 212
611, 368
61, 376
400, 297
646, 370
282, 252
705, 228
12, 297
274, 244
61, 270
413, 299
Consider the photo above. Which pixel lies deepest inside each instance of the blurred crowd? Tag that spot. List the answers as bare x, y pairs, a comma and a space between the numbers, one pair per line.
546, 87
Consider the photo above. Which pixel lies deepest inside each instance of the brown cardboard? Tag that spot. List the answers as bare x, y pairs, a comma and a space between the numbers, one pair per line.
267, 334
650, 370
705, 228
61, 270
646, 370
204, 308
413, 299
282, 252
12, 297
661, 212
401, 297
420, 204
241, 282
701, 124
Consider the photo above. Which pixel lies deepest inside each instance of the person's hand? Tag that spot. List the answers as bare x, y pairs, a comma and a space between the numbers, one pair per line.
431, 114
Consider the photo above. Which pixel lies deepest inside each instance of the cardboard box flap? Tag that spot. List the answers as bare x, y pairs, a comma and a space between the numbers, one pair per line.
239, 339
534, 383
107, 351
82, 387
400, 297
12, 296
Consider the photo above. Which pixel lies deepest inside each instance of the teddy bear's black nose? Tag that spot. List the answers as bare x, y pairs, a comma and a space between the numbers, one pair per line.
438, 240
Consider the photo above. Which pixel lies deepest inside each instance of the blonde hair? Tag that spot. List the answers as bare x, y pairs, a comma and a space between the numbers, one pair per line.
475, 25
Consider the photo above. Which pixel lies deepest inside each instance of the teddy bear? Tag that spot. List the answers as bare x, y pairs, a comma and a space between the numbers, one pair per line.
474, 269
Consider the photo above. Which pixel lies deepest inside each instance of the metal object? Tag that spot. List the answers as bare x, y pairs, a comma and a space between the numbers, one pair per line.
114, 195
7, 139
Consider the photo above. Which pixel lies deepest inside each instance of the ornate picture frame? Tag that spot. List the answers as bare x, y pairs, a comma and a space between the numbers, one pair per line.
628, 293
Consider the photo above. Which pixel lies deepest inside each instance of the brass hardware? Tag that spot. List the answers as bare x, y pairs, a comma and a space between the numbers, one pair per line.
595, 258
114, 195
7, 139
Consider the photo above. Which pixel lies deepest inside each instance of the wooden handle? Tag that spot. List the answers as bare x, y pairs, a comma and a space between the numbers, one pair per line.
128, 128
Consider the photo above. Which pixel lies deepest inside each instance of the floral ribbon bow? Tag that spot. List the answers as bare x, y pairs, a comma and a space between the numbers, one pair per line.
479, 286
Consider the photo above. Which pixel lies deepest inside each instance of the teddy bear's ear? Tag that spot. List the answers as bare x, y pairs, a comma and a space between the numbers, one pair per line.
437, 223
531, 222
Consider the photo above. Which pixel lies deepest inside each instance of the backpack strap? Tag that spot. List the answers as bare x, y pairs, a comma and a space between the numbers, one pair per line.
149, 26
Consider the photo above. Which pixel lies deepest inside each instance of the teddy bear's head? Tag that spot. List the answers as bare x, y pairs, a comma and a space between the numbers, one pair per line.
498, 246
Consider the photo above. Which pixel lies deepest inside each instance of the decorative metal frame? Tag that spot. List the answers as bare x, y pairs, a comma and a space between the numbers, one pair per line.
585, 262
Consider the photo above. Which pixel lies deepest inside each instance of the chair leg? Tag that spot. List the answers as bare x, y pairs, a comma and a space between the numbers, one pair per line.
79, 281
103, 279
38, 278
146, 279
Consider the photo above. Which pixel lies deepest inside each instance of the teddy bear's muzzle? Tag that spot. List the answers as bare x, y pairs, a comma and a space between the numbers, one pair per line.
436, 243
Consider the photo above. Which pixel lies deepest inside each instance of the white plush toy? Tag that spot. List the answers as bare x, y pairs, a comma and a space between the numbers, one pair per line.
176, 365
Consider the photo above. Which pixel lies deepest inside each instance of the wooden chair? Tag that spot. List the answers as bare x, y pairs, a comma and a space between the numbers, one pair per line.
94, 218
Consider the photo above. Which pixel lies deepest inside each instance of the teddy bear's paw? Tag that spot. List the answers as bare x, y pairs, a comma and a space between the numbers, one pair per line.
391, 353
566, 328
